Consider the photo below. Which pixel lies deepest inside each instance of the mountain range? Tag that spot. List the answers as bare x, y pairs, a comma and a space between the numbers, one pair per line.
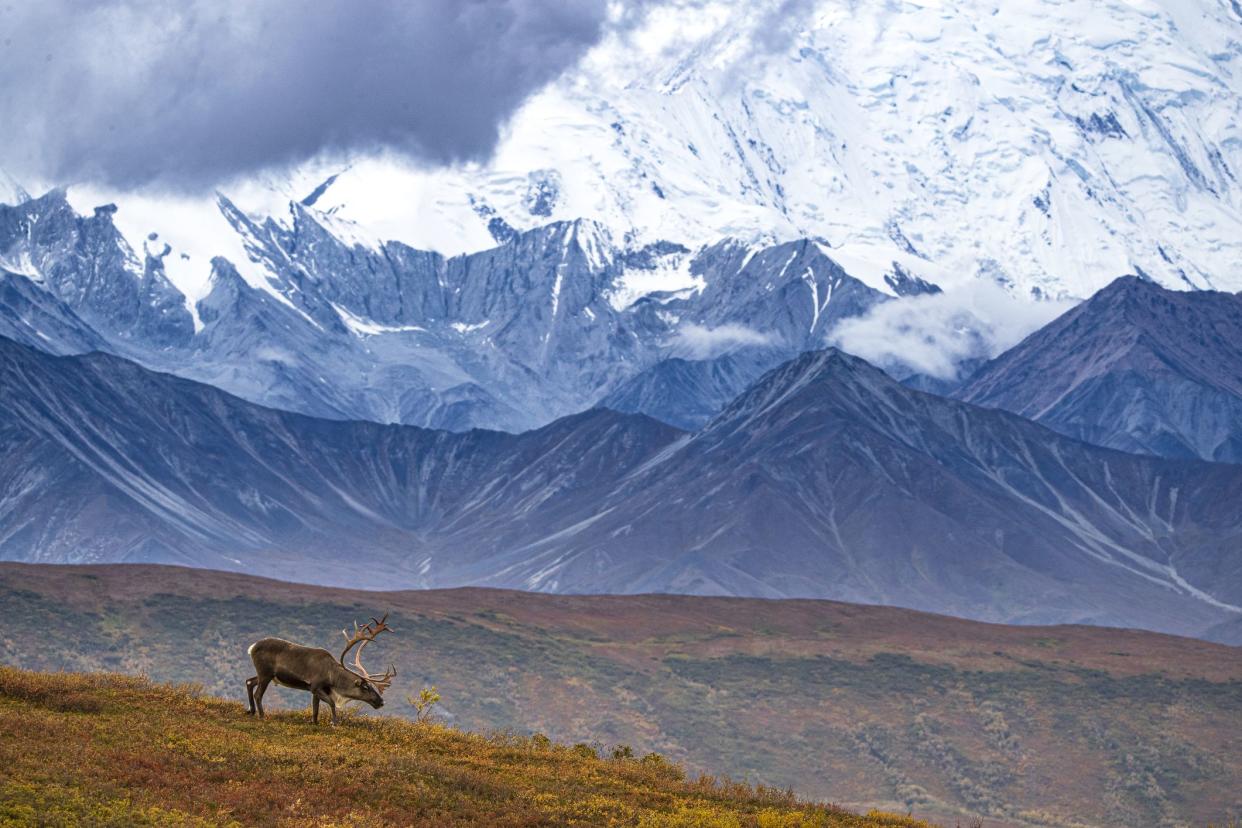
1042, 145
825, 479
556, 320
599, 361
707, 197
541, 326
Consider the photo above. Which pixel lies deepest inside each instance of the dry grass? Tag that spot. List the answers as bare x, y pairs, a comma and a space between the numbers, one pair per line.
104, 749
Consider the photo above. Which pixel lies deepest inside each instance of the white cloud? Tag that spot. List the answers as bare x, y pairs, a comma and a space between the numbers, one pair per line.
269, 354
933, 334
700, 342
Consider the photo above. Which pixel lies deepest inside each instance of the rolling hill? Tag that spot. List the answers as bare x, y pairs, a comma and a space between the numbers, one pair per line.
863, 705
109, 750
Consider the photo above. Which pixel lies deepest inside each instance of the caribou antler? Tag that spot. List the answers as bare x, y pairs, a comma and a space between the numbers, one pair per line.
363, 636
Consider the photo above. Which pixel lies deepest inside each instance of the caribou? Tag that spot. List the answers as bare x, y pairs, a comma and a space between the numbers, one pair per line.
327, 679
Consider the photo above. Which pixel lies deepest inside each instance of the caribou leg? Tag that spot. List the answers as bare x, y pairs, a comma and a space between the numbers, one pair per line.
326, 694
250, 683
264, 681
321, 693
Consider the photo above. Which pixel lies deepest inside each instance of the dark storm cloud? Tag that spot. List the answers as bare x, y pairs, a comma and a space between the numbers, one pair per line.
190, 93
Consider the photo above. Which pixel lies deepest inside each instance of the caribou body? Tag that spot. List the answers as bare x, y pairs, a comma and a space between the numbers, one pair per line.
315, 670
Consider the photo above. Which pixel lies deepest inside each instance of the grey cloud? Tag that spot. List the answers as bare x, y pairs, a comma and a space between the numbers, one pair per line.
129, 92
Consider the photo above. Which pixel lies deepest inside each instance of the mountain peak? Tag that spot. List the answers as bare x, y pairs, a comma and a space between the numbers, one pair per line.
1127, 285
1138, 367
834, 365
805, 385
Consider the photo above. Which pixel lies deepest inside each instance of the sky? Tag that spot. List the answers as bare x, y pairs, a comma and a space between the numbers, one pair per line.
128, 93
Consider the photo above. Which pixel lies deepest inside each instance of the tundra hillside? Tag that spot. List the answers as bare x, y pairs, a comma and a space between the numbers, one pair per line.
864, 706
105, 749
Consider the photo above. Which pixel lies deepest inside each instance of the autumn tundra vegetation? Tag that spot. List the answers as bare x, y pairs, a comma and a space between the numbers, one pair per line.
868, 707
114, 750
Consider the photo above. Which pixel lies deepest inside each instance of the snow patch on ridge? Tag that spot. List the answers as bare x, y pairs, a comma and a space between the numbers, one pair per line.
366, 327
19, 262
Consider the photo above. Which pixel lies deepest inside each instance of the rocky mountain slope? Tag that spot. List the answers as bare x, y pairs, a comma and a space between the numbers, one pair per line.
111, 462
826, 479
1136, 367
687, 393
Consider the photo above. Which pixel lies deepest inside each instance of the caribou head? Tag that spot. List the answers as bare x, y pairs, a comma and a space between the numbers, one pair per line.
376, 685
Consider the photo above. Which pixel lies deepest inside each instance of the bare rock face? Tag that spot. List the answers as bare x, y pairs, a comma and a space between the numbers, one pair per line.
84, 264
1137, 367
687, 393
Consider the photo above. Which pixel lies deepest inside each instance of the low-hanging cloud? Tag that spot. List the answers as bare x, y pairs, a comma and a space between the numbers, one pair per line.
934, 334
130, 92
701, 342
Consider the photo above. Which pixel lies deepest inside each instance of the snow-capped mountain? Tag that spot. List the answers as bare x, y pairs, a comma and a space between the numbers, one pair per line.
825, 479
511, 337
715, 178
1047, 146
